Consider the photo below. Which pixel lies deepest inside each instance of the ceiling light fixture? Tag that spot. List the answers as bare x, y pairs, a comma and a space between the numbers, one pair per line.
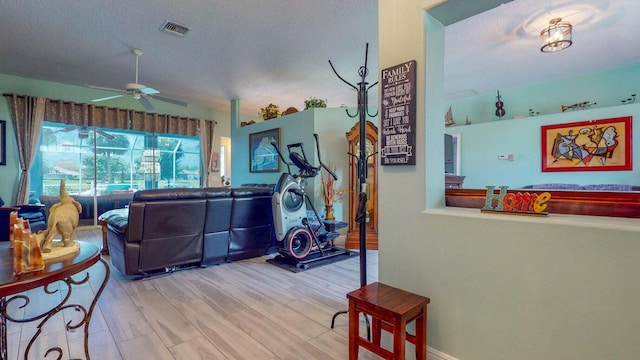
557, 36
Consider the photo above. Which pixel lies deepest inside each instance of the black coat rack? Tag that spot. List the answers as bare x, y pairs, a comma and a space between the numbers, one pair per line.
361, 112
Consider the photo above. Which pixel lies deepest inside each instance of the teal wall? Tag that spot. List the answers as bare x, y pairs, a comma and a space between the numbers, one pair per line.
605, 89
57, 91
480, 145
519, 134
294, 128
331, 125
501, 287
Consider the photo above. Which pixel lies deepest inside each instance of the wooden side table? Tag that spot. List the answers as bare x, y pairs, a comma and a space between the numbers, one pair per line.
105, 243
390, 309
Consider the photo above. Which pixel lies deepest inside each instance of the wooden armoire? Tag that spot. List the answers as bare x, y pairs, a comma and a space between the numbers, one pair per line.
353, 234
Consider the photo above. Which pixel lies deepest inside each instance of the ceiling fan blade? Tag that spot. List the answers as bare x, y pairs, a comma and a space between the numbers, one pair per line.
106, 134
146, 103
165, 99
106, 88
108, 98
68, 128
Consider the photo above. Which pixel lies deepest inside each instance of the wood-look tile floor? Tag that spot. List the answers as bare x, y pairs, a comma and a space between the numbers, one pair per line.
247, 309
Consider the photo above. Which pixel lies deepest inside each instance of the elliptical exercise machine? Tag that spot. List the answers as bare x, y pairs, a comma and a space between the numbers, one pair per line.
298, 241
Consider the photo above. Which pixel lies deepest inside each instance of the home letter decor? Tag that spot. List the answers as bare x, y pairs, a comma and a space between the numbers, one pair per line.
520, 203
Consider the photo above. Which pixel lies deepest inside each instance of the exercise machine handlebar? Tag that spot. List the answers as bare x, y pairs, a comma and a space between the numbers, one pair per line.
299, 160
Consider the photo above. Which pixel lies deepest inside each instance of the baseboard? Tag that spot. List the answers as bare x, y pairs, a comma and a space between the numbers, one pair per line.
433, 354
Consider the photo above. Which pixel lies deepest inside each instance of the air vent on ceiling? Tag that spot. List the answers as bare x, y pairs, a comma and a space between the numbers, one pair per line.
174, 28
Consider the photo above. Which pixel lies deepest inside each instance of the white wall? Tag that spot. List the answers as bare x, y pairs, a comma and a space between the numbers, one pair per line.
501, 287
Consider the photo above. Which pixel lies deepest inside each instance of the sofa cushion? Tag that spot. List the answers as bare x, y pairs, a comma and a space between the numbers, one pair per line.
251, 231
119, 223
216, 225
117, 219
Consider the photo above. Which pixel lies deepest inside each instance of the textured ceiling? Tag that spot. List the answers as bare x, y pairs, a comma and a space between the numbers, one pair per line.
500, 48
278, 51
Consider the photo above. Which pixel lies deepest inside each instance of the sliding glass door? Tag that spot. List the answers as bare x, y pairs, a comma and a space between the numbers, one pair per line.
102, 168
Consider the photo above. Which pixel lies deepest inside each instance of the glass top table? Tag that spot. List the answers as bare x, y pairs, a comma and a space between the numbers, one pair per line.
13, 288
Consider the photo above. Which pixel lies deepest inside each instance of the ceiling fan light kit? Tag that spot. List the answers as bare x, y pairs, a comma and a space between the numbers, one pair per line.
137, 91
557, 36
141, 88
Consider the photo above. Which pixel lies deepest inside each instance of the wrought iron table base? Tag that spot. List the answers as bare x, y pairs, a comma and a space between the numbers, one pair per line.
44, 318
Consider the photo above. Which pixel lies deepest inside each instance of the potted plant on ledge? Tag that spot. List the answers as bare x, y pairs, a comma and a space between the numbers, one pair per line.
313, 102
272, 111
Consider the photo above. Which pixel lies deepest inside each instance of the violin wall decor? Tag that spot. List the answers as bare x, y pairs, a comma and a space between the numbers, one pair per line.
499, 107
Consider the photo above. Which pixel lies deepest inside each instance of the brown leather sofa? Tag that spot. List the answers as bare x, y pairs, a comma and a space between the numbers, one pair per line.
167, 228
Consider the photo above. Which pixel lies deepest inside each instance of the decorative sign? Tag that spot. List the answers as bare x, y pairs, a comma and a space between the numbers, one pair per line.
215, 162
519, 203
398, 114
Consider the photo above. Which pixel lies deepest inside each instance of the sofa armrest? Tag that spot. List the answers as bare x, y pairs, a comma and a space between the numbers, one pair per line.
31, 207
135, 229
116, 220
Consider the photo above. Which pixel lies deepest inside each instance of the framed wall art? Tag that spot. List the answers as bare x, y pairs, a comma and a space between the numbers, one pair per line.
215, 162
263, 157
3, 142
596, 145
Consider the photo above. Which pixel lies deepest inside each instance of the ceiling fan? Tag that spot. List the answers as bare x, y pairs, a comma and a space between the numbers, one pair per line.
138, 91
84, 131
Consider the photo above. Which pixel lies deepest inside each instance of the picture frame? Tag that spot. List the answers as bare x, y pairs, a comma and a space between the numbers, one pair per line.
215, 162
3, 142
263, 157
594, 145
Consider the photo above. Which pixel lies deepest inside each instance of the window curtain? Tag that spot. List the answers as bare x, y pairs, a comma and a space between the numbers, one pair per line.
206, 151
27, 115
80, 114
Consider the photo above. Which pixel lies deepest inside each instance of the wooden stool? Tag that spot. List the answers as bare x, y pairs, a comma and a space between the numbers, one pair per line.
390, 309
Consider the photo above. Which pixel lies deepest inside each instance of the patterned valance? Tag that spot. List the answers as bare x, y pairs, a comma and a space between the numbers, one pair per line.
80, 114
